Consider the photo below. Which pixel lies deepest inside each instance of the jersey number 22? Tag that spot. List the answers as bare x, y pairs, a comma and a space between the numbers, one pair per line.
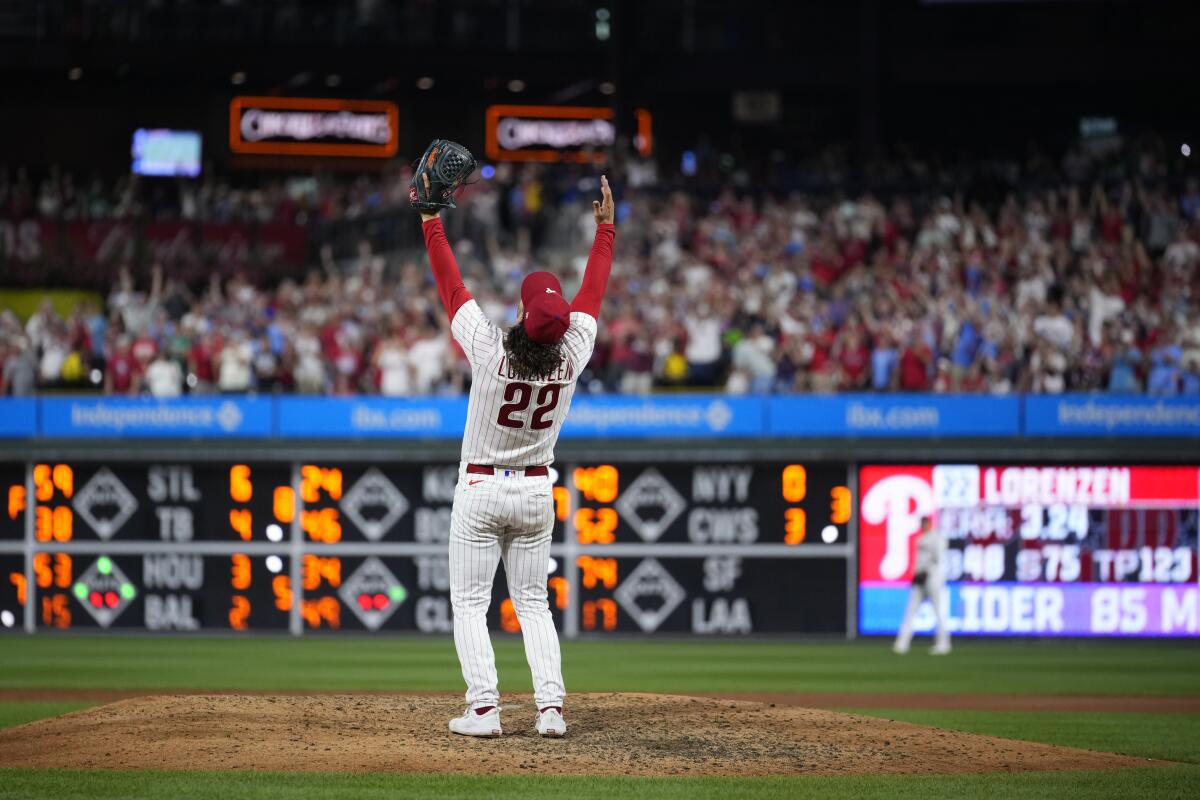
516, 400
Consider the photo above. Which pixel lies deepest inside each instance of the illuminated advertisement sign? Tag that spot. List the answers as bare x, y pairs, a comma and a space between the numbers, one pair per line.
1063, 550
166, 152
301, 126
558, 133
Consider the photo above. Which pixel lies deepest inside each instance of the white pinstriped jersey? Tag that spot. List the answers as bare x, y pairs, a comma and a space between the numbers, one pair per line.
513, 422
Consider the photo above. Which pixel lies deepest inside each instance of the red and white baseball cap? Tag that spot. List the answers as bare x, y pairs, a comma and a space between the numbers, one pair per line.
547, 312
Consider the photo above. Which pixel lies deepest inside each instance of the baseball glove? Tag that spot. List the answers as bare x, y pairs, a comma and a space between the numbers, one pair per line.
440, 171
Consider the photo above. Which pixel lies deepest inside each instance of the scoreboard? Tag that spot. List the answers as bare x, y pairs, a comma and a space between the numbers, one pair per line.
717, 548
639, 547
736, 503
1051, 550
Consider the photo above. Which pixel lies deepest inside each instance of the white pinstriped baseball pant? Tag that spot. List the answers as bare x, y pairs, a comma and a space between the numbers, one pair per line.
510, 518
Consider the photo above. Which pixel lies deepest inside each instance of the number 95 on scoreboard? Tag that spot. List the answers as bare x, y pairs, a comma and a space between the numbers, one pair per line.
711, 504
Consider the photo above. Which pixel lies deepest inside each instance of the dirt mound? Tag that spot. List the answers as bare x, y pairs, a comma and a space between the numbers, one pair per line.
611, 734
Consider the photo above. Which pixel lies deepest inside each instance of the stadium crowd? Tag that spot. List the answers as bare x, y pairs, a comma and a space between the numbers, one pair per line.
1089, 281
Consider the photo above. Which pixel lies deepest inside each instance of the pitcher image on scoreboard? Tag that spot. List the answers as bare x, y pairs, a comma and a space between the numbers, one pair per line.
1036, 550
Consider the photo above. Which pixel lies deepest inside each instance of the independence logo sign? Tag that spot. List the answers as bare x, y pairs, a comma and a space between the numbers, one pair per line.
152, 418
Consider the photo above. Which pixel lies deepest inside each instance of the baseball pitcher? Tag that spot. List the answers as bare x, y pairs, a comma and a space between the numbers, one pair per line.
522, 382
928, 582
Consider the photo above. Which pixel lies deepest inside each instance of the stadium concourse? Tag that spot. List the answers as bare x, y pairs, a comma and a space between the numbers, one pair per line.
997, 277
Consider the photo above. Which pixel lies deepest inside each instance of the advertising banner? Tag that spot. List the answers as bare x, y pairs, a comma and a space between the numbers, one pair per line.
306, 126
873, 415
559, 133
1111, 415
699, 416
18, 418
372, 417
145, 417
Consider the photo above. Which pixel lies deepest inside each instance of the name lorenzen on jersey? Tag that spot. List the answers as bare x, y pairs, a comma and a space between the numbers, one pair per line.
564, 374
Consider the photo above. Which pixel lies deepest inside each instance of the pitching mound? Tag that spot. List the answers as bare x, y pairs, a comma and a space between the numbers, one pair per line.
611, 734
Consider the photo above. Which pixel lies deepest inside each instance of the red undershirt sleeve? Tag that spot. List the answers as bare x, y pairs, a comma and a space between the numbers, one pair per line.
451, 288
595, 276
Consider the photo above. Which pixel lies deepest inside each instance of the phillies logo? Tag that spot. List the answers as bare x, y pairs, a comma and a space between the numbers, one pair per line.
893, 503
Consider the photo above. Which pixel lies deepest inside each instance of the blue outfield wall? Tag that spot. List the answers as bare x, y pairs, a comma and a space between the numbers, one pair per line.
1111, 415
18, 417
147, 418
692, 416
371, 417
893, 416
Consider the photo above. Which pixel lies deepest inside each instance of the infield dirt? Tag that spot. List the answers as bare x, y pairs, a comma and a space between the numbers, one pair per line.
611, 734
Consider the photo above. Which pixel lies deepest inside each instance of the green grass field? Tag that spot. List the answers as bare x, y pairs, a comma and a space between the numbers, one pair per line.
1037, 668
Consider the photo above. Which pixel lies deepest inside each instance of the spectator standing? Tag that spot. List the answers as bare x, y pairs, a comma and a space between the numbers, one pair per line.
164, 378
233, 365
20, 370
703, 351
391, 361
753, 363
123, 374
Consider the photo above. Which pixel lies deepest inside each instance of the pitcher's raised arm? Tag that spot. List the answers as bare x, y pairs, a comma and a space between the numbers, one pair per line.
451, 288
599, 265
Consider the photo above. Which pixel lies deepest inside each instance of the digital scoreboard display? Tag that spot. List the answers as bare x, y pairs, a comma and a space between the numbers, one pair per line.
720, 594
673, 512
161, 502
1064, 550
721, 503
237, 546
723, 548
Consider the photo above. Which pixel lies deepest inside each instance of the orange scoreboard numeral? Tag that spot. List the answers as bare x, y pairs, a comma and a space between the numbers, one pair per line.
596, 525
57, 523
17, 579
558, 584
322, 525
314, 479
55, 611
16, 500
47, 478
240, 572
839, 504
318, 567
42, 575
601, 571
598, 483
281, 585
605, 608
562, 503
508, 617
63, 570
322, 610
795, 525
284, 504
241, 521
52, 570
241, 488
795, 483
239, 612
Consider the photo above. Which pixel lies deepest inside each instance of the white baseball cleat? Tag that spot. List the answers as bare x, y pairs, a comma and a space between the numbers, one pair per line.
940, 650
900, 649
551, 723
472, 724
